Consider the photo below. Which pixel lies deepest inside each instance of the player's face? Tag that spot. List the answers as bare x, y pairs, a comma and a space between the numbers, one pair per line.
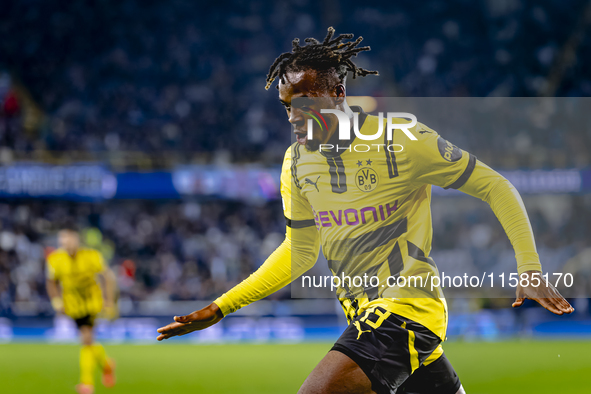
69, 241
304, 85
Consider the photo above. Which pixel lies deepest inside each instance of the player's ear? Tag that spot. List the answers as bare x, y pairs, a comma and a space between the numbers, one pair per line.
340, 93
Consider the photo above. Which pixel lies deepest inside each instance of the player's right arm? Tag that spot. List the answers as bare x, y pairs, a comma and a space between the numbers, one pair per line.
52, 286
296, 254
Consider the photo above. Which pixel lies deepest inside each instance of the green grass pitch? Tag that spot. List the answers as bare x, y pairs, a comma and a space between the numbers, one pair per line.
164, 368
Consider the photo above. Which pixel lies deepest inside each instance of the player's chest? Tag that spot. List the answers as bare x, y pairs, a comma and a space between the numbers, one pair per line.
74, 270
352, 179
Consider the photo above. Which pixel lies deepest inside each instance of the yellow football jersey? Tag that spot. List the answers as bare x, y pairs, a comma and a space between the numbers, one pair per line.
370, 201
81, 291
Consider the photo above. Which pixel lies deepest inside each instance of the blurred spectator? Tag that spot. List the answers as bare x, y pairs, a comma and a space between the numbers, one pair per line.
172, 251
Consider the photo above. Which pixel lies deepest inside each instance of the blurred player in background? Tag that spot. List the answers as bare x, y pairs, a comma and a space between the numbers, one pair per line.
77, 281
393, 341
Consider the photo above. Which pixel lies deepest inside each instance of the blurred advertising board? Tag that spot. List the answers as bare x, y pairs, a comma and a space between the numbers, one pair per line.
92, 182
74, 182
236, 182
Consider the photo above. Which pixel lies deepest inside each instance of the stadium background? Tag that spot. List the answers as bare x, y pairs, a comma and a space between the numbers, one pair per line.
147, 123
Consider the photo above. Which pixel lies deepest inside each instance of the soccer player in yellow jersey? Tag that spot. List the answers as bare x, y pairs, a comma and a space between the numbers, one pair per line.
370, 211
74, 279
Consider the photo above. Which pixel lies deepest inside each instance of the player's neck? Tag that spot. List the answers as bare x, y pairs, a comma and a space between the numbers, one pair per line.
72, 253
348, 111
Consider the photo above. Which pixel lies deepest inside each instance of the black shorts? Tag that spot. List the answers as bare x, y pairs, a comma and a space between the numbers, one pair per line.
87, 320
392, 350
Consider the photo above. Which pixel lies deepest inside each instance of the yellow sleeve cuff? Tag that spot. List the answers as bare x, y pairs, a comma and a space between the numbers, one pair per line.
285, 264
225, 304
528, 261
531, 266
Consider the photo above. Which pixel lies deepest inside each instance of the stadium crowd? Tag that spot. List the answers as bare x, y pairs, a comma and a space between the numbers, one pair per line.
118, 76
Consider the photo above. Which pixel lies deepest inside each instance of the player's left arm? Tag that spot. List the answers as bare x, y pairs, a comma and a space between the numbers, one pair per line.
505, 201
437, 162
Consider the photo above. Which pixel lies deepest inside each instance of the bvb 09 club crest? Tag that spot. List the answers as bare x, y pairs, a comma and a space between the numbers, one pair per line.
366, 179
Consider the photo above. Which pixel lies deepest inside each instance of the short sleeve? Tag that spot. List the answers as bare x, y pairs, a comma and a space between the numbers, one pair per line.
436, 161
297, 210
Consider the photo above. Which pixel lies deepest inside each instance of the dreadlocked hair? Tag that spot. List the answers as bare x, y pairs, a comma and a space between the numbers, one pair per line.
331, 54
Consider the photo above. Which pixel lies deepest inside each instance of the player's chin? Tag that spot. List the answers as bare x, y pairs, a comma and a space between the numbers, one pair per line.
312, 145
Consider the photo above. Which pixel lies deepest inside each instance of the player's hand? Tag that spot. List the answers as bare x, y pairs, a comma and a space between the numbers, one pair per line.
58, 305
197, 320
543, 293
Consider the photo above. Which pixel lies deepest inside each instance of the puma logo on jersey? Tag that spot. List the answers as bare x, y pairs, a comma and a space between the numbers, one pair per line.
309, 182
357, 324
448, 151
424, 131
